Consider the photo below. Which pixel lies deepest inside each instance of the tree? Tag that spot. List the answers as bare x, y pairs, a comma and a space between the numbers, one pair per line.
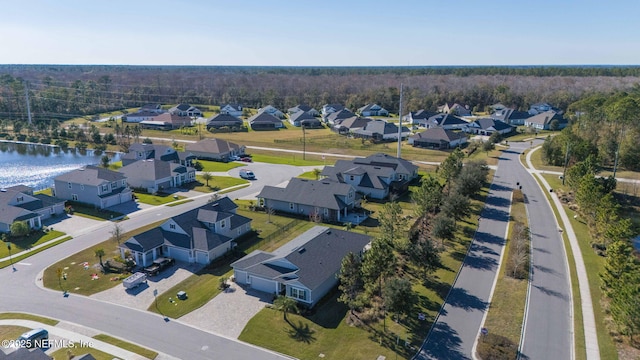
19, 228
456, 206
428, 196
99, 255
286, 305
624, 304
554, 125
316, 173
443, 228
207, 176
399, 298
422, 251
351, 284
487, 146
393, 224
451, 166
117, 233
104, 160
472, 178
377, 263
495, 137
620, 260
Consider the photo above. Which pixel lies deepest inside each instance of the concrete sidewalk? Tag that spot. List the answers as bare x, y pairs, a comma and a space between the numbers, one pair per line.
588, 318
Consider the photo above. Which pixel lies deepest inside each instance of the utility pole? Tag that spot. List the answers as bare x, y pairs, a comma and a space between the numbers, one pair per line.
615, 162
566, 160
400, 125
26, 94
304, 143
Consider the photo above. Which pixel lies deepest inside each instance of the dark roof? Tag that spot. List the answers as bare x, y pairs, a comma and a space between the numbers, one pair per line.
91, 175
375, 166
300, 107
150, 151
507, 115
320, 193
315, 256
422, 114
368, 107
545, 117
438, 134
335, 107
447, 119
486, 123
213, 146
25, 354
302, 115
263, 118
380, 127
354, 122
224, 118
340, 114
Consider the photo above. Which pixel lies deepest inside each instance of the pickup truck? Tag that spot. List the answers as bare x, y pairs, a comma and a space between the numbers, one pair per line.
158, 265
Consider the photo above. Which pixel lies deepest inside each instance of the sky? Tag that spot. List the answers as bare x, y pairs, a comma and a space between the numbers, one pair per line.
320, 33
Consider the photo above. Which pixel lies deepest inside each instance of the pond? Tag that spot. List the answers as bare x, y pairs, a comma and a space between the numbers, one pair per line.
37, 165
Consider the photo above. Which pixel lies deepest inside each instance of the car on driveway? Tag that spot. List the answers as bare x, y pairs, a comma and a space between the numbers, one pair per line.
158, 265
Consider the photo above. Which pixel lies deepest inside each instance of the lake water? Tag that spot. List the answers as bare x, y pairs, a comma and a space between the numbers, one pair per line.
37, 165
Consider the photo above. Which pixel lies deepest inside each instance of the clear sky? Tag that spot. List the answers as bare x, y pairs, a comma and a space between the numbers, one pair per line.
320, 33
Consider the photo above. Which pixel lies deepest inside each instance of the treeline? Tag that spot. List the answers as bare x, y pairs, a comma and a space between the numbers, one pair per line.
63, 92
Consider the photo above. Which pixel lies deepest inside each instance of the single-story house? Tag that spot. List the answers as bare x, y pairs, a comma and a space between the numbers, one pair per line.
19, 203
542, 121
487, 126
305, 108
265, 121
445, 121
541, 107
455, 109
272, 110
140, 151
381, 130
510, 116
140, 116
331, 108
152, 107
232, 109
372, 110
225, 120
438, 138
303, 118
176, 121
330, 200
197, 236
93, 185
417, 117
215, 149
349, 125
335, 117
374, 176
305, 269
185, 110
156, 175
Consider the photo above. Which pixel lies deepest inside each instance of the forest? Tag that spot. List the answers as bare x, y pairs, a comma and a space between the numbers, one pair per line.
66, 91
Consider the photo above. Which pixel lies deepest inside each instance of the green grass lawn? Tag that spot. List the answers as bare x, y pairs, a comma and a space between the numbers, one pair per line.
149, 354
11, 332
91, 212
63, 354
216, 166
79, 279
288, 159
159, 199
23, 316
16, 259
28, 242
216, 183
506, 311
308, 175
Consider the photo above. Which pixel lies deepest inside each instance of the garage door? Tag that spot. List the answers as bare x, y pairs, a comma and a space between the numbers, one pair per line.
263, 285
202, 257
179, 254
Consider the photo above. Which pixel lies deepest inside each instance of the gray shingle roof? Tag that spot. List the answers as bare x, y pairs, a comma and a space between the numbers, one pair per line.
264, 118
486, 123
320, 193
438, 134
153, 169
340, 114
91, 175
213, 146
380, 127
224, 120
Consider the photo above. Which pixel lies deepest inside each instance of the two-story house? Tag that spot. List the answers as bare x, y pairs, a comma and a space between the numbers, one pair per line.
156, 175
19, 203
330, 109
140, 151
232, 109
93, 185
197, 236
375, 176
328, 200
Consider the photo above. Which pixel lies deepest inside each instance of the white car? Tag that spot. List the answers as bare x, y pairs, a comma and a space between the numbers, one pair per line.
247, 174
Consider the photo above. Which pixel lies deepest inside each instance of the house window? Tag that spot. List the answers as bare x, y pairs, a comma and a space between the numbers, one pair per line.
238, 231
350, 194
20, 199
51, 210
81, 186
298, 293
74, 197
291, 206
69, 185
351, 177
261, 202
172, 226
326, 212
105, 187
222, 224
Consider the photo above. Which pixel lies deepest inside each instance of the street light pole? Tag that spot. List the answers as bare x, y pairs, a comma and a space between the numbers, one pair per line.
304, 143
10, 258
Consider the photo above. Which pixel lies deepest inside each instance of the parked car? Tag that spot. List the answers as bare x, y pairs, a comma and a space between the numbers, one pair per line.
36, 338
158, 265
246, 159
234, 158
247, 174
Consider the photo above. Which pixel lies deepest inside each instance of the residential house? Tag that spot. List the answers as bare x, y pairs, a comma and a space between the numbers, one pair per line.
455, 109
93, 185
372, 110
335, 117
487, 126
374, 176
141, 151
156, 108
438, 138
19, 203
272, 110
329, 200
232, 109
305, 269
302, 107
543, 120
215, 149
349, 125
197, 236
497, 107
418, 117
225, 121
265, 121
167, 121
538, 108
140, 116
185, 110
156, 175
510, 116
445, 121
303, 118
381, 130
330, 109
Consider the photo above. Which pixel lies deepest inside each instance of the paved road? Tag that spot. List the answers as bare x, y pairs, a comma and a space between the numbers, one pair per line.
456, 328
20, 293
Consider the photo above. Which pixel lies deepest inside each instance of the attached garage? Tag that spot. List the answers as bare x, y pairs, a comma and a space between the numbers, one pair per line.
179, 254
264, 285
202, 257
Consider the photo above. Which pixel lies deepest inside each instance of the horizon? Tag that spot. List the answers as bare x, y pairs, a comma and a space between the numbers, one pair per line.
332, 34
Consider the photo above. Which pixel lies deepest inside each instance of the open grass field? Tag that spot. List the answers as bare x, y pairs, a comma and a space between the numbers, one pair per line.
80, 267
28, 242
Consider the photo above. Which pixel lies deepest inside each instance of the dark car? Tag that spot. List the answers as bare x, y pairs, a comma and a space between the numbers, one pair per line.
158, 265
246, 159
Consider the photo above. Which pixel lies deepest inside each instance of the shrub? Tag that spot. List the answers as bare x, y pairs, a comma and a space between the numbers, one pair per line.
496, 347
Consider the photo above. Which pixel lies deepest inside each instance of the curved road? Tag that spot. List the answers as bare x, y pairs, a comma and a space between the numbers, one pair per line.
20, 293
548, 334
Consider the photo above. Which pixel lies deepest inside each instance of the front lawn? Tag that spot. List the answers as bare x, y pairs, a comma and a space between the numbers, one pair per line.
217, 166
83, 272
216, 183
27, 242
158, 199
18, 258
148, 354
63, 353
23, 316
91, 212
11, 332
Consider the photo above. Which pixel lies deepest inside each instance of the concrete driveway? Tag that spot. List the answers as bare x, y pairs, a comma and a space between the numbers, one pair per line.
228, 313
